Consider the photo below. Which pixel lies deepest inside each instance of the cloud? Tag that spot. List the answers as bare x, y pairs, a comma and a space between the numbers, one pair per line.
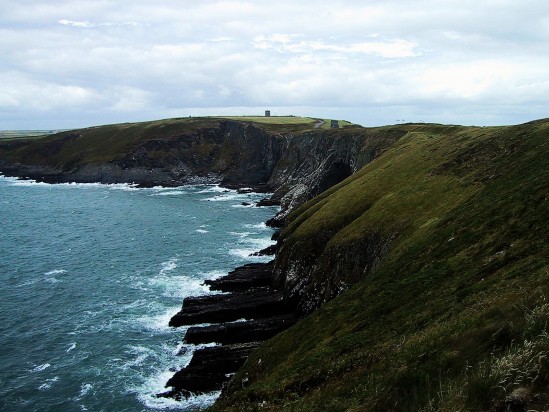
133, 59
87, 24
285, 43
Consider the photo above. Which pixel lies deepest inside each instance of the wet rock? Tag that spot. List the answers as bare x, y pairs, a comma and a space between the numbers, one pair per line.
260, 303
244, 278
208, 369
240, 332
268, 251
268, 202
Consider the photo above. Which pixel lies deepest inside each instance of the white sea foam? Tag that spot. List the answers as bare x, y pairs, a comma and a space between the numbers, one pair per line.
158, 322
52, 280
138, 355
243, 206
216, 189
48, 384
201, 231
154, 383
213, 274
241, 234
168, 266
244, 253
261, 226
28, 183
71, 347
40, 368
85, 388
225, 197
27, 283
178, 286
251, 246
170, 193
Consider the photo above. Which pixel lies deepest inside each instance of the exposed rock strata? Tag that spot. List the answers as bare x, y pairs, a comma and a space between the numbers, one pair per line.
239, 332
249, 295
208, 370
227, 308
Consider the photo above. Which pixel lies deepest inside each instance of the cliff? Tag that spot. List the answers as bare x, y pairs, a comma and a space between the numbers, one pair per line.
425, 279
295, 160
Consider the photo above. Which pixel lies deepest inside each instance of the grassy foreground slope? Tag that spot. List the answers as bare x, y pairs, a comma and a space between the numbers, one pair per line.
454, 316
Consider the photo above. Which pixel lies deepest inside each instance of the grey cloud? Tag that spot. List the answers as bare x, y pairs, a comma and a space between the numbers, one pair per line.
127, 60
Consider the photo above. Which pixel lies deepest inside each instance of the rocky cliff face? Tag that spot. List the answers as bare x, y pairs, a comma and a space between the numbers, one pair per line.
235, 154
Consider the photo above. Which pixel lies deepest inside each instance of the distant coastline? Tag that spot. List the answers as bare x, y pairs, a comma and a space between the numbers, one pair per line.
14, 134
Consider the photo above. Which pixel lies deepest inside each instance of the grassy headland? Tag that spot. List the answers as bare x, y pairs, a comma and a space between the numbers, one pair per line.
452, 315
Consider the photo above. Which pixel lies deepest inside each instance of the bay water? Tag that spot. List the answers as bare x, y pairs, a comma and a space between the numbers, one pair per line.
90, 275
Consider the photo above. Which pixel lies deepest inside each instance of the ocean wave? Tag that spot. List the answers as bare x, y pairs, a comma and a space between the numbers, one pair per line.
213, 274
85, 388
241, 234
168, 266
246, 254
28, 183
55, 272
170, 193
154, 382
201, 231
71, 347
40, 368
48, 384
157, 322
215, 189
225, 197
260, 226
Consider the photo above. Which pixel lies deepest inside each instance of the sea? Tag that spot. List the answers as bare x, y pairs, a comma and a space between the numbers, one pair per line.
90, 275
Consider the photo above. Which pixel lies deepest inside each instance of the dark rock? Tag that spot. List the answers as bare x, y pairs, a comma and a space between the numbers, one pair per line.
239, 332
246, 204
268, 202
208, 369
268, 251
276, 234
260, 303
276, 222
244, 190
244, 278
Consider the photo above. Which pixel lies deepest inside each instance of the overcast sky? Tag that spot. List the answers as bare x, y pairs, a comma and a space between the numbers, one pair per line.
67, 64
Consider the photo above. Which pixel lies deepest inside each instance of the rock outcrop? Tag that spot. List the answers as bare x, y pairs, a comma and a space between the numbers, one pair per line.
249, 312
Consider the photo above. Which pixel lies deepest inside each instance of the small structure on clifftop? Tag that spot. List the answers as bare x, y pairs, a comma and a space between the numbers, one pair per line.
267, 113
334, 124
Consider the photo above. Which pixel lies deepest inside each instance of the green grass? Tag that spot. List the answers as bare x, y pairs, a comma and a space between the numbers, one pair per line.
103, 144
98, 144
21, 134
453, 316
288, 124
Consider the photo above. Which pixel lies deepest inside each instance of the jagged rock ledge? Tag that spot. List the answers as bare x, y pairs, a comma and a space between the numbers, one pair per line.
250, 296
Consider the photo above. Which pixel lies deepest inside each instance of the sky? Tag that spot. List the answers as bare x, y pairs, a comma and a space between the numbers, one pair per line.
69, 64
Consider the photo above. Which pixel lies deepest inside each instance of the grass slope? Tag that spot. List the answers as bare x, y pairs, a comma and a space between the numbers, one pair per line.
101, 144
289, 123
455, 317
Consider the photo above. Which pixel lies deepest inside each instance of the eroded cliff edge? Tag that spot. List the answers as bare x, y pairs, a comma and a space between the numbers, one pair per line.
295, 165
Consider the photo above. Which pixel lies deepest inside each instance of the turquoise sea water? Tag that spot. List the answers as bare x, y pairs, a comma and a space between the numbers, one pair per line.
90, 275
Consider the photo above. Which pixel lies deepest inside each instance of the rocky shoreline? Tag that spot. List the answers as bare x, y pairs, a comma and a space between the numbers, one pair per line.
250, 311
